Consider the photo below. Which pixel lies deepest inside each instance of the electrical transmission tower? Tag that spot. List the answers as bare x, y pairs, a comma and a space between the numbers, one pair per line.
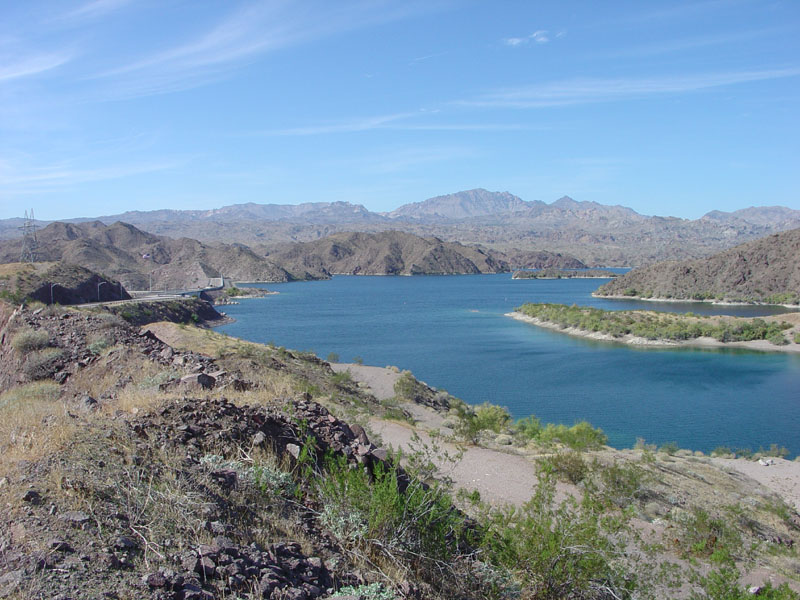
29, 244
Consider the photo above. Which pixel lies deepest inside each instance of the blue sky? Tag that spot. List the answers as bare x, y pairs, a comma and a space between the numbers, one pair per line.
671, 108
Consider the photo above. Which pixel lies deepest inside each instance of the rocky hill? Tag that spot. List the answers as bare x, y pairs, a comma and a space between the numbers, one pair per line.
765, 270
597, 234
387, 253
58, 283
143, 260
462, 205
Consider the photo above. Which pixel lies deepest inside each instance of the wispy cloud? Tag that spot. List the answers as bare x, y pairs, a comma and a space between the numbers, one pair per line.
395, 122
94, 9
247, 34
30, 179
32, 65
683, 44
587, 90
542, 36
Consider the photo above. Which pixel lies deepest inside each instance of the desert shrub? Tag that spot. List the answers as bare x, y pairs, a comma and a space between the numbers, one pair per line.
491, 417
332, 357
42, 364
28, 340
709, 537
342, 378
98, 345
723, 584
777, 338
797, 338
669, 448
581, 436
369, 513
559, 550
721, 451
528, 428
775, 450
620, 483
474, 419
568, 466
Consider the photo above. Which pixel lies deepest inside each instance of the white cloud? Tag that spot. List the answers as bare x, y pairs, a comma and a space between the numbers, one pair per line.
541, 36
587, 90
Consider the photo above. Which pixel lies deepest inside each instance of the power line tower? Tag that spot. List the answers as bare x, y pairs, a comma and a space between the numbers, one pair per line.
30, 246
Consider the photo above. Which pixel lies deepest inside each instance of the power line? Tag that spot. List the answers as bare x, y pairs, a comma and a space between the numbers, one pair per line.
30, 245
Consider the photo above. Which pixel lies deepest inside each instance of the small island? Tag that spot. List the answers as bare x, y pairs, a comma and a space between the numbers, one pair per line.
565, 274
652, 328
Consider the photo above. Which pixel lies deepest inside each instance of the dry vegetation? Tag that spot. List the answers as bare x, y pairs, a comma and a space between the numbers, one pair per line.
141, 481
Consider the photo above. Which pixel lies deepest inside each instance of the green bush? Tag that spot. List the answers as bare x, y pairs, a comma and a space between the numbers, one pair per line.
777, 338
581, 436
369, 512
333, 357
723, 584
43, 364
568, 466
528, 428
97, 346
28, 340
559, 551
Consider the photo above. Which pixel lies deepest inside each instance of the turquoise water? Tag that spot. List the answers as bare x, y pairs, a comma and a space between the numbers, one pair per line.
452, 333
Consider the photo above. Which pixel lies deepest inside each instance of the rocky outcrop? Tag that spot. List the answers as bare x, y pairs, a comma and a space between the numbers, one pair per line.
765, 270
386, 253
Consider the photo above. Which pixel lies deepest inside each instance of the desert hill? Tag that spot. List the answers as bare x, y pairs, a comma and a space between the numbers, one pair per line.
765, 270
141, 260
597, 234
387, 253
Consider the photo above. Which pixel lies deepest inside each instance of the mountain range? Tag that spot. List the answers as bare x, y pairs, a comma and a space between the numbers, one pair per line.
597, 234
141, 260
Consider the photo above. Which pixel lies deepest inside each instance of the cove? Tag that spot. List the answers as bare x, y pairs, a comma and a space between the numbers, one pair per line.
451, 332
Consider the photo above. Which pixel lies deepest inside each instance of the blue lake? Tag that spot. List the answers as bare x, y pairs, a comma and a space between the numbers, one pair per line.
451, 332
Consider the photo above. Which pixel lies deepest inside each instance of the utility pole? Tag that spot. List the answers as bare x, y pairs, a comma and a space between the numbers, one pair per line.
30, 245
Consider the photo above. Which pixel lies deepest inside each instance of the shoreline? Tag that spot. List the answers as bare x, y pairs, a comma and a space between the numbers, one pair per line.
690, 300
632, 340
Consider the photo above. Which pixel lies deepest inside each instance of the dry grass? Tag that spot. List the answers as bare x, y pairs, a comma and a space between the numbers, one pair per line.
33, 423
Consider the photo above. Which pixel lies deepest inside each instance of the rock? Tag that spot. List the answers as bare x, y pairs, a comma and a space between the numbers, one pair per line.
205, 567
75, 517
155, 580
359, 433
504, 439
294, 450
124, 542
381, 454
33, 497
259, 438
198, 381
60, 546
88, 403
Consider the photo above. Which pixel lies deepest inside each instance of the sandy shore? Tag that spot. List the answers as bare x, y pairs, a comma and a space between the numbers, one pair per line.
632, 340
509, 478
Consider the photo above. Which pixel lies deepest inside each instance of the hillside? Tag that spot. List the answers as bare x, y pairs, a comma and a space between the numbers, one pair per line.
206, 466
597, 234
386, 253
141, 260
58, 283
765, 270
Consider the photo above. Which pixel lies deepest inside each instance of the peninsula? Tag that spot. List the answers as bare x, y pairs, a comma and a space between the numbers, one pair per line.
650, 328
